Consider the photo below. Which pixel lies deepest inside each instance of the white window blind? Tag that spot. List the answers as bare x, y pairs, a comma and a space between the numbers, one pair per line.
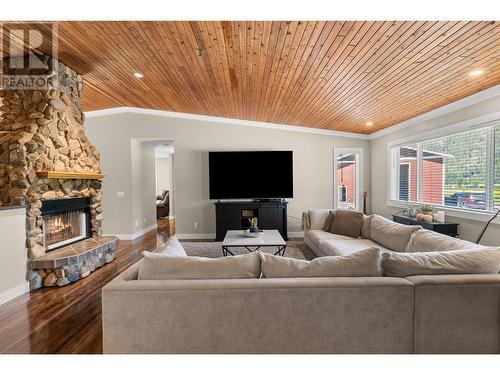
496, 179
460, 170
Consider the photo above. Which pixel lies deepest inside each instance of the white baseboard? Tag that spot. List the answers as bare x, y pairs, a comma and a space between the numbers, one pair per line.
123, 237
195, 236
14, 292
295, 234
133, 236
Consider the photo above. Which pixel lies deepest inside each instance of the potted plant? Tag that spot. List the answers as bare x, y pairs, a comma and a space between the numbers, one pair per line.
253, 225
426, 209
425, 213
411, 210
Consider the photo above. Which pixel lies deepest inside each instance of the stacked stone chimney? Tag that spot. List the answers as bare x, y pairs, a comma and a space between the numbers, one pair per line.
43, 131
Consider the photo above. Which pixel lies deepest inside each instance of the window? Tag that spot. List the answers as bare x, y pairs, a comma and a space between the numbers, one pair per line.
348, 178
460, 170
342, 194
404, 181
496, 181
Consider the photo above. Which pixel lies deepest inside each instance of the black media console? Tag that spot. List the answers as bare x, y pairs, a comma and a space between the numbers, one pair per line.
234, 215
450, 229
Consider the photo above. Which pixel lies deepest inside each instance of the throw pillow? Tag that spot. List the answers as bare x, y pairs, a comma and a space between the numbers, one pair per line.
164, 267
391, 235
171, 247
365, 262
442, 262
317, 217
329, 221
347, 223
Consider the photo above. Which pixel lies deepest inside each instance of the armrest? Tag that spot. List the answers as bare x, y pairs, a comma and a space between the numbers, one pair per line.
457, 313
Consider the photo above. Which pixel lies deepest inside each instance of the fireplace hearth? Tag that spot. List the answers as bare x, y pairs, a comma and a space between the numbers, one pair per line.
65, 221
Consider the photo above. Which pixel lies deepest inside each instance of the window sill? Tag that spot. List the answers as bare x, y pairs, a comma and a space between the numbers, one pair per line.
455, 212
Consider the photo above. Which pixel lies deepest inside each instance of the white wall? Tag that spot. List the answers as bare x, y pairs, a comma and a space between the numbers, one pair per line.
112, 135
13, 254
468, 229
163, 173
143, 186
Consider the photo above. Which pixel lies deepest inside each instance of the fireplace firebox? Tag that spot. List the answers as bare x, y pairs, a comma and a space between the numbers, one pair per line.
65, 221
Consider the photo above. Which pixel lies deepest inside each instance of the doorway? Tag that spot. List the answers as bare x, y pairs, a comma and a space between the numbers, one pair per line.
348, 178
164, 167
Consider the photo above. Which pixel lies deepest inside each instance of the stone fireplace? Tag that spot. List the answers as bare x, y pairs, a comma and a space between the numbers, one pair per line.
48, 164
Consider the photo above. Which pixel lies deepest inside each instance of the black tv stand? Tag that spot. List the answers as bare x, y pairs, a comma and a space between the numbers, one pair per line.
272, 214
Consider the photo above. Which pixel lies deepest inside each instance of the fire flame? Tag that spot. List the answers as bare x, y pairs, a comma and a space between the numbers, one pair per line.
58, 225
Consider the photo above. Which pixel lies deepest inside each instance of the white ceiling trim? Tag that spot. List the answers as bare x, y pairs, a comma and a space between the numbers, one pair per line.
222, 120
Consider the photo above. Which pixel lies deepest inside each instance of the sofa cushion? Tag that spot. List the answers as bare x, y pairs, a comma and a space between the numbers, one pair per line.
163, 267
442, 262
365, 228
318, 235
329, 221
171, 247
363, 263
347, 223
389, 234
427, 240
317, 217
340, 247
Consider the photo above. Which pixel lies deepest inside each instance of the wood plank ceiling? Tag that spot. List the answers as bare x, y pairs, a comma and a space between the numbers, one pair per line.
327, 75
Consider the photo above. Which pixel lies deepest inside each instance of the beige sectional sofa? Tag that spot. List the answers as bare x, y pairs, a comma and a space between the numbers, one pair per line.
415, 314
376, 231
418, 314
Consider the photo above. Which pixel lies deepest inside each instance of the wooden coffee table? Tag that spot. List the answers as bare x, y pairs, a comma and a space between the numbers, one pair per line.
268, 238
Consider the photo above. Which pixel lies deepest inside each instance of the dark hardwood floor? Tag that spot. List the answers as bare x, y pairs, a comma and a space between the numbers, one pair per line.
68, 319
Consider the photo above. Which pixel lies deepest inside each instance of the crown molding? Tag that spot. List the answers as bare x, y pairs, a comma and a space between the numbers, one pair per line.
476, 98
222, 120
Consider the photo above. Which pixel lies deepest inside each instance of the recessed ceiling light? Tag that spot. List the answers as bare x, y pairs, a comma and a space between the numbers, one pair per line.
369, 123
138, 75
476, 73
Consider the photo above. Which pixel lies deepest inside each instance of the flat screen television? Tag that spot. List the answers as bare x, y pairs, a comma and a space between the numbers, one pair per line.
250, 174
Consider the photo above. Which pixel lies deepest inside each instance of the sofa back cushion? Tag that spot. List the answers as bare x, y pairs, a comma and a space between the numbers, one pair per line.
442, 262
366, 262
391, 235
426, 240
317, 217
171, 247
365, 228
164, 267
347, 223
